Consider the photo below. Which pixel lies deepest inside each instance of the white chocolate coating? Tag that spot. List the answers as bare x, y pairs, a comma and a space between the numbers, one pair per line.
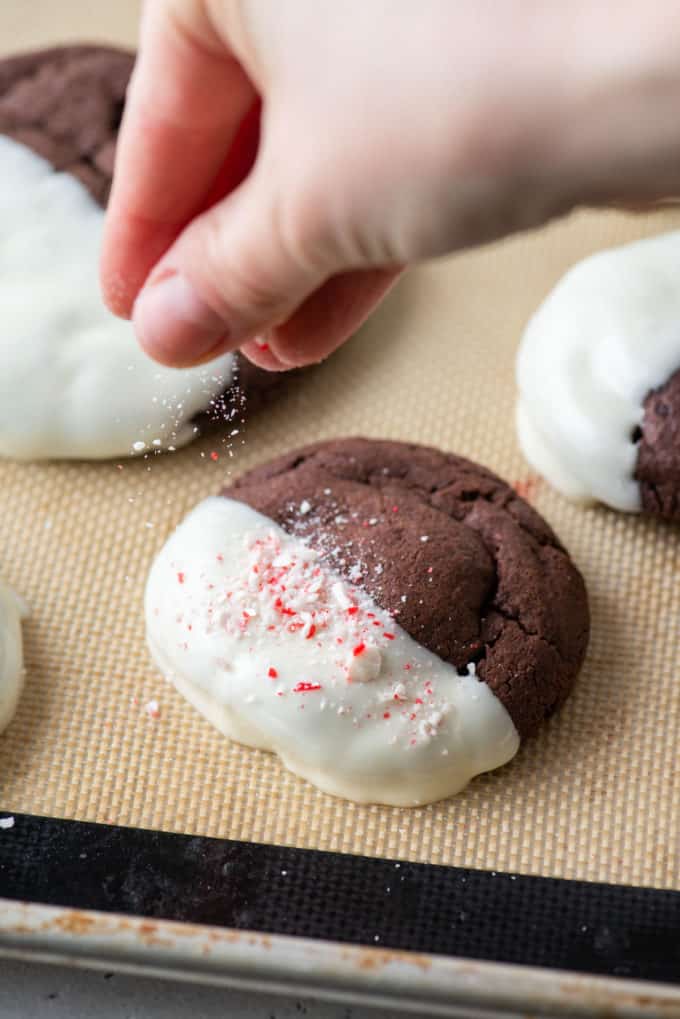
257, 632
12, 611
607, 334
74, 381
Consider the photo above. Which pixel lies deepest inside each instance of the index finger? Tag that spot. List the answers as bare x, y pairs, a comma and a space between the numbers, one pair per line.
184, 137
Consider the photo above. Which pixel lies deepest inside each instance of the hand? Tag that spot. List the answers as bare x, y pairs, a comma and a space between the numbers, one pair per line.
390, 132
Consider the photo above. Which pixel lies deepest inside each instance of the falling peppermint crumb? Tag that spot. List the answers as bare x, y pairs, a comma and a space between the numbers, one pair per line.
6, 822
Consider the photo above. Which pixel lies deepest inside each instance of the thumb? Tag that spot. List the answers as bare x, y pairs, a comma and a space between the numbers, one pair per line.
232, 275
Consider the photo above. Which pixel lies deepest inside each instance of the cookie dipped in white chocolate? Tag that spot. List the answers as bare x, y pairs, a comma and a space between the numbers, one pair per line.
280, 653
74, 381
607, 335
12, 611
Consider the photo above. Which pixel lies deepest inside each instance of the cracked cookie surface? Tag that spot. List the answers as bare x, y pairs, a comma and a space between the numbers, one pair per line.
467, 567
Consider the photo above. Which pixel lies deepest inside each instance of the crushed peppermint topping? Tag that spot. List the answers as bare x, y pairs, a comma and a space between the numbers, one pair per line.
152, 709
280, 590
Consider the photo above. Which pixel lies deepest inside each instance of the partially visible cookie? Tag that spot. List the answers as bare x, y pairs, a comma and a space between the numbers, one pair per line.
388, 618
12, 611
599, 380
75, 383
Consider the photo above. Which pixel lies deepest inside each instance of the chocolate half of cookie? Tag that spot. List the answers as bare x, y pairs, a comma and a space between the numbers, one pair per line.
389, 619
658, 460
61, 108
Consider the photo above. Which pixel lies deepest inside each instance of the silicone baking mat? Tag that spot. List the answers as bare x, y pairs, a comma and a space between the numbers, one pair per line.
99, 736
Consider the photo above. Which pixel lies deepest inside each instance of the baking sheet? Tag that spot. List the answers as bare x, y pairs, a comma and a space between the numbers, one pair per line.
596, 795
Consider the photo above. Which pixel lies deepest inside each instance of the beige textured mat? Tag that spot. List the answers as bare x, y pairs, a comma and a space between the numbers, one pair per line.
595, 796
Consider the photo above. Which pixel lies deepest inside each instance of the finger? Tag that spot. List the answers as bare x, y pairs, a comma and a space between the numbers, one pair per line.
186, 105
326, 319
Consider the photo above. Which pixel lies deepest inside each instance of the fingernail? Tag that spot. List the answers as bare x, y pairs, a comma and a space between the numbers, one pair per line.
174, 325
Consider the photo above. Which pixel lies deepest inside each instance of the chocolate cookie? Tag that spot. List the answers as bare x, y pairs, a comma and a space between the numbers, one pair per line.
599, 379
465, 565
60, 110
389, 619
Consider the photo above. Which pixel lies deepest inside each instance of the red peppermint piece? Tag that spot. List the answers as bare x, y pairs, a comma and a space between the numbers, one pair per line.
303, 687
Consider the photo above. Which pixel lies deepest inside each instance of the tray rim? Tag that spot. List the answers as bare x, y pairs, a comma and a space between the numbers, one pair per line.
334, 971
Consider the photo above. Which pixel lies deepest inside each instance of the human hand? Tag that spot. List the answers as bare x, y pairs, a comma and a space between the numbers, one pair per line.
390, 133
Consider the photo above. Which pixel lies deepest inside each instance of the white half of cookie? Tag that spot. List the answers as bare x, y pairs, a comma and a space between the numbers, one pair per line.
279, 652
607, 335
74, 381
12, 611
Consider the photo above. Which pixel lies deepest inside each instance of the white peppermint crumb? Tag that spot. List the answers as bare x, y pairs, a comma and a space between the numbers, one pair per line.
403, 597
152, 708
148, 524
445, 752
424, 537
171, 449
305, 506
378, 569
155, 442
138, 446
373, 521
6, 822
327, 491
340, 519
340, 595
